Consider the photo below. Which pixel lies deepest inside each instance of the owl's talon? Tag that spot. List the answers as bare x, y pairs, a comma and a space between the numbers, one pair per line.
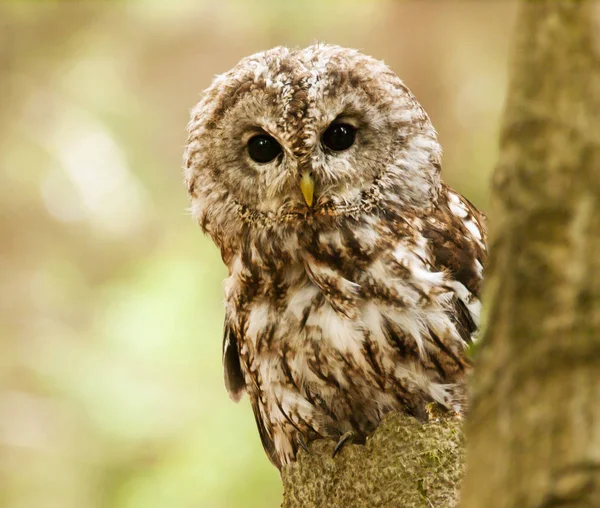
303, 444
346, 437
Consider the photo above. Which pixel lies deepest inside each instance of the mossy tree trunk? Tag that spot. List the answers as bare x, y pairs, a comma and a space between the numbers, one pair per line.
534, 421
533, 434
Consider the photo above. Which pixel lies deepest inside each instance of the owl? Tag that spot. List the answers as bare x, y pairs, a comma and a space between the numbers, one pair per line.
354, 271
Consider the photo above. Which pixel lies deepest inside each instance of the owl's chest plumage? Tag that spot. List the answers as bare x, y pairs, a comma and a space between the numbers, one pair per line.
335, 328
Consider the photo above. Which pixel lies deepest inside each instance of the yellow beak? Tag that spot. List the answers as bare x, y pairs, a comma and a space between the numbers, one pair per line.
307, 186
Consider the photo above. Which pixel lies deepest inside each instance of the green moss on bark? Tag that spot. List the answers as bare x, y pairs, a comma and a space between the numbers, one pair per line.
405, 463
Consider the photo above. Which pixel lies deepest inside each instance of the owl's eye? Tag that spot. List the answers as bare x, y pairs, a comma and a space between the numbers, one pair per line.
263, 148
339, 136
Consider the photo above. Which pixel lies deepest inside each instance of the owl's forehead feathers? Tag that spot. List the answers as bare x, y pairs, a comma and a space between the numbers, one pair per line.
295, 86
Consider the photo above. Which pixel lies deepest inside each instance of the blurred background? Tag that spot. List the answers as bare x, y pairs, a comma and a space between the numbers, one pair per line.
111, 391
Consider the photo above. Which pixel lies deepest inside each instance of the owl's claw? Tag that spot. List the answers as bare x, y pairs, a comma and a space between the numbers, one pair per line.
303, 444
346, 437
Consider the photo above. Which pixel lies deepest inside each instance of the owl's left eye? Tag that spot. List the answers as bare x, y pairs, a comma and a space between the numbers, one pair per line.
263, 148
339, 136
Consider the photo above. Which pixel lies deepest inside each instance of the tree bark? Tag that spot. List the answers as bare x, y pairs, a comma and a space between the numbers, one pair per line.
533, 431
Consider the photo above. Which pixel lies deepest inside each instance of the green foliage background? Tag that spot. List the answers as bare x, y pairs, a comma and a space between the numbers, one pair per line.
111, 388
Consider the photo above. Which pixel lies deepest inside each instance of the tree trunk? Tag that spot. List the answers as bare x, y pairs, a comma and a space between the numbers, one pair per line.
534, 420
533, 433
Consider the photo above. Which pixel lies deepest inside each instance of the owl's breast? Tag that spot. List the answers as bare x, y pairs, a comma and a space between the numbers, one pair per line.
356, 320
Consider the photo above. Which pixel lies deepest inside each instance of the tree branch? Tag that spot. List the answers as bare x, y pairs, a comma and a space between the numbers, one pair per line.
405, 463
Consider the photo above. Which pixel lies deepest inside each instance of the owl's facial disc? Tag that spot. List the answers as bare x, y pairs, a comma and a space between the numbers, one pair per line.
307, 137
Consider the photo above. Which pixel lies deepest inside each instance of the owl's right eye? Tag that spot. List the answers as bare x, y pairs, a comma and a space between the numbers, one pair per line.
263, 148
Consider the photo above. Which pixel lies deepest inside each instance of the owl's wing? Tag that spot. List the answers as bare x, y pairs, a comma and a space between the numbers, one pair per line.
236, 385
265, 436
456, 234
234, 378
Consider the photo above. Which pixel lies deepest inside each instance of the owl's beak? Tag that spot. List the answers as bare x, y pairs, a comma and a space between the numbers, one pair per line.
307, 186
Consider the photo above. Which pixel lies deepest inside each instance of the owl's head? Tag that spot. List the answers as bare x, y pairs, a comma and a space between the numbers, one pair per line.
294, 138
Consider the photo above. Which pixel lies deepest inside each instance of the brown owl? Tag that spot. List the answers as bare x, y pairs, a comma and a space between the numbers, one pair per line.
354, 271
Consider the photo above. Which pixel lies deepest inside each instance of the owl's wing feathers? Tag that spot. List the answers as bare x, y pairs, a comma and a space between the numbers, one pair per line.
234, 378
265, 437
456, 236
236, 386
